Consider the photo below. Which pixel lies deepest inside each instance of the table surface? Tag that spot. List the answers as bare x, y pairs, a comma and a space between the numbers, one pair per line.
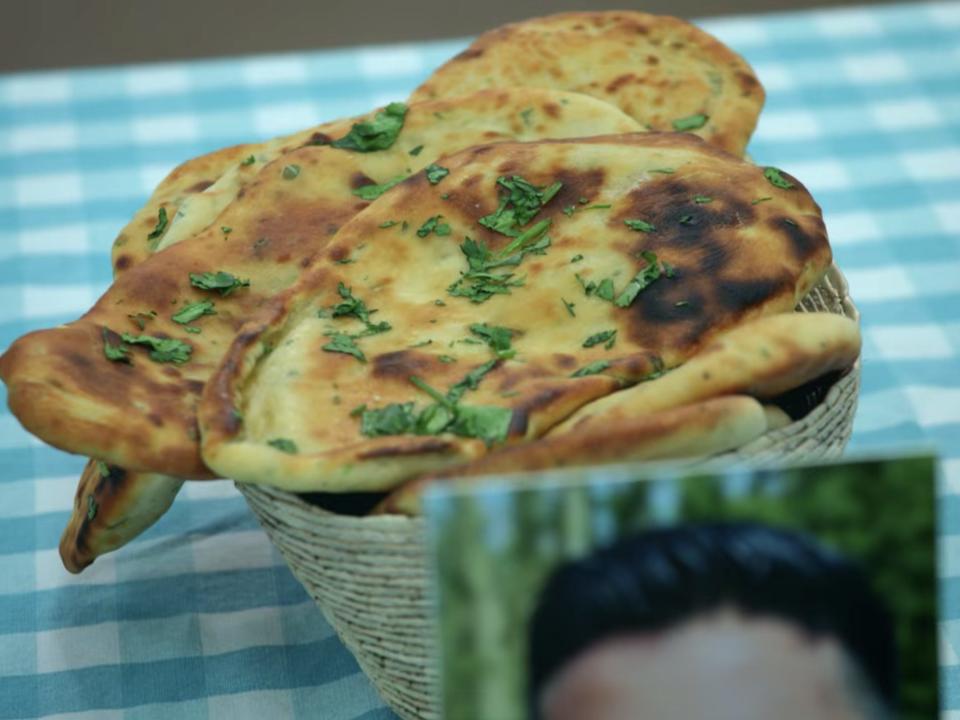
200, 618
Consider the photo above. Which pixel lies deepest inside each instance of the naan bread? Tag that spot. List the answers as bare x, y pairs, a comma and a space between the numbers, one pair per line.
141, 415
762, 358
626, 206
698, 430
666, 73
111, 507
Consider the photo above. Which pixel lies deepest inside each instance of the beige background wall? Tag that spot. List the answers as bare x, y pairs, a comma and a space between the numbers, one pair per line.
61, 33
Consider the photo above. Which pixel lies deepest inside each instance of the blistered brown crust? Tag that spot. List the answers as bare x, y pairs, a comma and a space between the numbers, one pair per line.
143, 416
699, 430
763, 358
112, 506
732, 259
656, 69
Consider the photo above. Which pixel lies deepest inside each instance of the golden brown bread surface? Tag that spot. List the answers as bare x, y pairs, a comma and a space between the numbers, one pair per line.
112, 506
699, 430
720, 258
762, 358
141, 415
659, 70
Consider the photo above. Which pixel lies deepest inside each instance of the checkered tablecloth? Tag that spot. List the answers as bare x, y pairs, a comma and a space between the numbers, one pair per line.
199, 618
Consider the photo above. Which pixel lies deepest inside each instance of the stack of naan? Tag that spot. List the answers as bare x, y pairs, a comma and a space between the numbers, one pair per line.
552, 253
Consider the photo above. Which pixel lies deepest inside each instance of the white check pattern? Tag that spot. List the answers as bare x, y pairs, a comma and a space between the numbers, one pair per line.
199, 618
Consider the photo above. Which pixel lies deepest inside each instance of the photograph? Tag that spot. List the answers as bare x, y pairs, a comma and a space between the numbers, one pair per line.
629, 592
273, 273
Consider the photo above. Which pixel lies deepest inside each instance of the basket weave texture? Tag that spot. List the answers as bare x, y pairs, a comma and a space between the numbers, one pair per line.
370, 575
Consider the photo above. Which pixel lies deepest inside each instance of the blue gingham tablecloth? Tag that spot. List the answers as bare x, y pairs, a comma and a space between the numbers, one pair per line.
199, 618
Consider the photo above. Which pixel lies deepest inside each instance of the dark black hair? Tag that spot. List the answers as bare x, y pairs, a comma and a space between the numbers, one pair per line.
660, 578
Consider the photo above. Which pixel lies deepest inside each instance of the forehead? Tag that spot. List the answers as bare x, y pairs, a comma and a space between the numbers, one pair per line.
722, 666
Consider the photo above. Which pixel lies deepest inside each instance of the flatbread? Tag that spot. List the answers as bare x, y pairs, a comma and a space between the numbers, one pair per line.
697, 430
141, 415
762, 358
659, 70
626, 205
109, 509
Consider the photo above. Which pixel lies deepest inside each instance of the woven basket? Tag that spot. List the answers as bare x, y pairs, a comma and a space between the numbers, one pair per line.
370, 575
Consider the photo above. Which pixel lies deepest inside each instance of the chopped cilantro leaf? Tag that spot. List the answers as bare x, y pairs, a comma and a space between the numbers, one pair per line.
576, 258
702, 199
599, 206
607, 336
470, 381
641, 225
520, 202
103, 469
605, 289
343, 343
592, 369
249, 160
376, 134
114, 352
290, 172
498, 338
189, 313
525, 115
681, 303
226, 229
569, 210
439, 303
389, 224
416, 151
478, 283
641, 280
358, 410
393, 419
569, 306
161, 225
662, 171
775, 177
691, 122
162, 350
285, 445
435, 173
372, 192
687, 220
222, 282
446, 358
92, 507
760, 200
433, 225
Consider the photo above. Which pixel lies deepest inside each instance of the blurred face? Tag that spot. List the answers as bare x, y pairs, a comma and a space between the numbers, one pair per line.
722, 667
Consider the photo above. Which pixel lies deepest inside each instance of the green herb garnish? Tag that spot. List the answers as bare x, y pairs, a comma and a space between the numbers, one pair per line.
377, 134
284, 445
702, 199
435, 173
114, 352
290, 172
161, 225
388, 224
162, 350
249, 160
446, 358
592, 369
343, 343
226, 229
92, 507
760, 200
641, 225
433, 225
520, 202
525, 115
641, 280
498, 338
691, 122
775, 177
103, 469
662, 171
416, 151
576, 258
569, 306
372, 192
607, 336
189, 313
222, 282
